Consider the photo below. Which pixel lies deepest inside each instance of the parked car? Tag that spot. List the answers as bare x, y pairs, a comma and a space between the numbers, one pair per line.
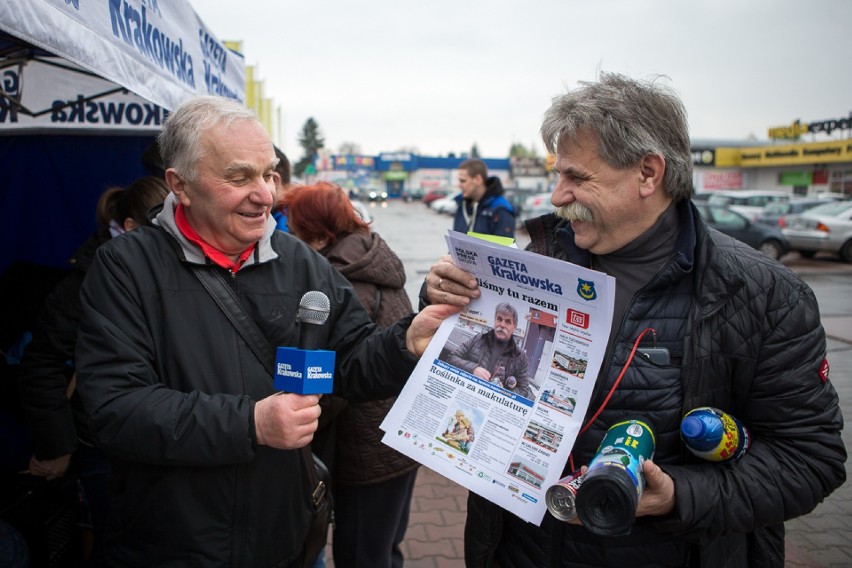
377, 195
409, 195
702, 196
773, 213
434, 194
446, 205
765, 238
747, 202
516, 198
826, 227
535, 206
361, 209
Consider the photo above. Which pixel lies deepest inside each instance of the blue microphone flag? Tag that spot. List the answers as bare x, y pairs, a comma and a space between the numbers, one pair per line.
304, 371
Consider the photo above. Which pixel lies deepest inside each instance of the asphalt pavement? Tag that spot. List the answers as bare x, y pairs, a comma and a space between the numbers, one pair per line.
820, 539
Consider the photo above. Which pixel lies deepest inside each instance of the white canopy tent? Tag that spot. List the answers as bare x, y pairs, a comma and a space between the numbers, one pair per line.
140, 55
85, 86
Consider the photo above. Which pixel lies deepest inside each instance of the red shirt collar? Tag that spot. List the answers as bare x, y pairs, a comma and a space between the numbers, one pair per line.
215, 255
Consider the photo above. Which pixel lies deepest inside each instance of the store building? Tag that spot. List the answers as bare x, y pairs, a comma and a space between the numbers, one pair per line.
782, 163
400, 172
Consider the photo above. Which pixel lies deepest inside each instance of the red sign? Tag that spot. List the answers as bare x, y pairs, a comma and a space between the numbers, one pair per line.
722, 180
578, 319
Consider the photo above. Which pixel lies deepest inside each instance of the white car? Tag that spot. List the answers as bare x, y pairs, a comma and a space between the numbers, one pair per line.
747, 202
535, 206
825, 228
446, 205
362, 210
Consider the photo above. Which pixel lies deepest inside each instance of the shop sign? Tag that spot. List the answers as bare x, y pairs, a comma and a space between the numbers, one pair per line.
350, 162
703, 156
798, 128
819, 152
527, 167
795, 178
395, 157
721, 180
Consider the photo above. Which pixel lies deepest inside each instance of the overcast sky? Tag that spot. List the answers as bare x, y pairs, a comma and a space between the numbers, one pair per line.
441, 75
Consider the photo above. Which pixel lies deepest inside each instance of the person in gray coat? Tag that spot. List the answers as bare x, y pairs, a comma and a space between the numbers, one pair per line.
742, 331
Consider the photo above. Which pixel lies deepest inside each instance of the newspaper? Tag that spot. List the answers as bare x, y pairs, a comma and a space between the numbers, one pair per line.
501, 419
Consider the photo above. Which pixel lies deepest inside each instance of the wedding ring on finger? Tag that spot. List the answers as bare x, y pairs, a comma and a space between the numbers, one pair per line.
440, 281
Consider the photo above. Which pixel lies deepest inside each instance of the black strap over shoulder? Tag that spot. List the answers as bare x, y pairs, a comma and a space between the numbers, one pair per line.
227, 300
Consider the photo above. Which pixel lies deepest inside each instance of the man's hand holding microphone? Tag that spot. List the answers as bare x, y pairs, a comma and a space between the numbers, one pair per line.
287, 420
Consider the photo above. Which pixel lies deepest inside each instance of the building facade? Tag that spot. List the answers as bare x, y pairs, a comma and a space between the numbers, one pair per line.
786, 162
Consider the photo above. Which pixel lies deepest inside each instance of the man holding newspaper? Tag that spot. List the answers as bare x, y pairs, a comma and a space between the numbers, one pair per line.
742, 333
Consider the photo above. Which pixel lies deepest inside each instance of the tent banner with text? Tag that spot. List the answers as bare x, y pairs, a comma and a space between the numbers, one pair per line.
159, 50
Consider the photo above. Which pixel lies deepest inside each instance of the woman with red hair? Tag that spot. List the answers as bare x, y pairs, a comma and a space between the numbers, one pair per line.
372, 482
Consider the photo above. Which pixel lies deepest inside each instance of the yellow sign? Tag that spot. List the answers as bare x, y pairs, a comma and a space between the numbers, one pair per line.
797, 128
789, 132
795, 154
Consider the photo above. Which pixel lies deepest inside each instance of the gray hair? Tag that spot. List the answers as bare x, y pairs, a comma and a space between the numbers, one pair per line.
180, 139
507, 308
630, 119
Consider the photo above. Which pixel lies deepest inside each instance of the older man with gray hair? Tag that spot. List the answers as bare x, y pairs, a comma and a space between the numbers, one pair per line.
207, 467
743, 335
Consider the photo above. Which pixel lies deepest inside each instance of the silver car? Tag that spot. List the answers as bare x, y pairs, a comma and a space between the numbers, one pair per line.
824, 228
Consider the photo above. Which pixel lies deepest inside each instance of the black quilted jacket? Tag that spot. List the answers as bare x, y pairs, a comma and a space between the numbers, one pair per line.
745, 336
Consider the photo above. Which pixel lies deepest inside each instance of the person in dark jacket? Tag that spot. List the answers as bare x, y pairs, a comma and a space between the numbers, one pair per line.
205, 454
743, 333
373, 483
494, 356
482, 207
60, 433
283, 180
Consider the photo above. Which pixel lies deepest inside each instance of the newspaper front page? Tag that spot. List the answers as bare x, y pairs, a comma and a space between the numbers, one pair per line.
497, 400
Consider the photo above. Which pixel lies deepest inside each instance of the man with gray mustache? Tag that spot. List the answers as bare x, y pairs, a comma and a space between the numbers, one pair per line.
742, 332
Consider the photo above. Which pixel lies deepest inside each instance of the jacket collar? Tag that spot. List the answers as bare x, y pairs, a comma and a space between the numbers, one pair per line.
684, 250
193, 253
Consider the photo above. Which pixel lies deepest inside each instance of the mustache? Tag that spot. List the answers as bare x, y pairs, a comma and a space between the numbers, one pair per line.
575, 212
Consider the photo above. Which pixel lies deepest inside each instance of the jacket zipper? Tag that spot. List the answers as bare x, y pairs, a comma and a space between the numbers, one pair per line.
693, 350
241, 481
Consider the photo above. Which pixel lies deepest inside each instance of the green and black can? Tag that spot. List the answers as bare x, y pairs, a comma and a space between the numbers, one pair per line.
606, 501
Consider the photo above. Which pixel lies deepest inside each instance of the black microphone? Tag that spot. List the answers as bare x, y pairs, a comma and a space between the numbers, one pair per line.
314, 308
307, 369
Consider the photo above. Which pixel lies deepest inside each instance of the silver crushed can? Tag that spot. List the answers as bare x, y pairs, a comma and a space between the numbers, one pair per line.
560, 497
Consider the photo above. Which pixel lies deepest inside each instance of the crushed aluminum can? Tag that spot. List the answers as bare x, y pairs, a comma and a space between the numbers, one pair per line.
560, 496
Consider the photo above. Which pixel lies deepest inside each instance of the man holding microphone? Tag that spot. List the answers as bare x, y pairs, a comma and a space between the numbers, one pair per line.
206, 463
